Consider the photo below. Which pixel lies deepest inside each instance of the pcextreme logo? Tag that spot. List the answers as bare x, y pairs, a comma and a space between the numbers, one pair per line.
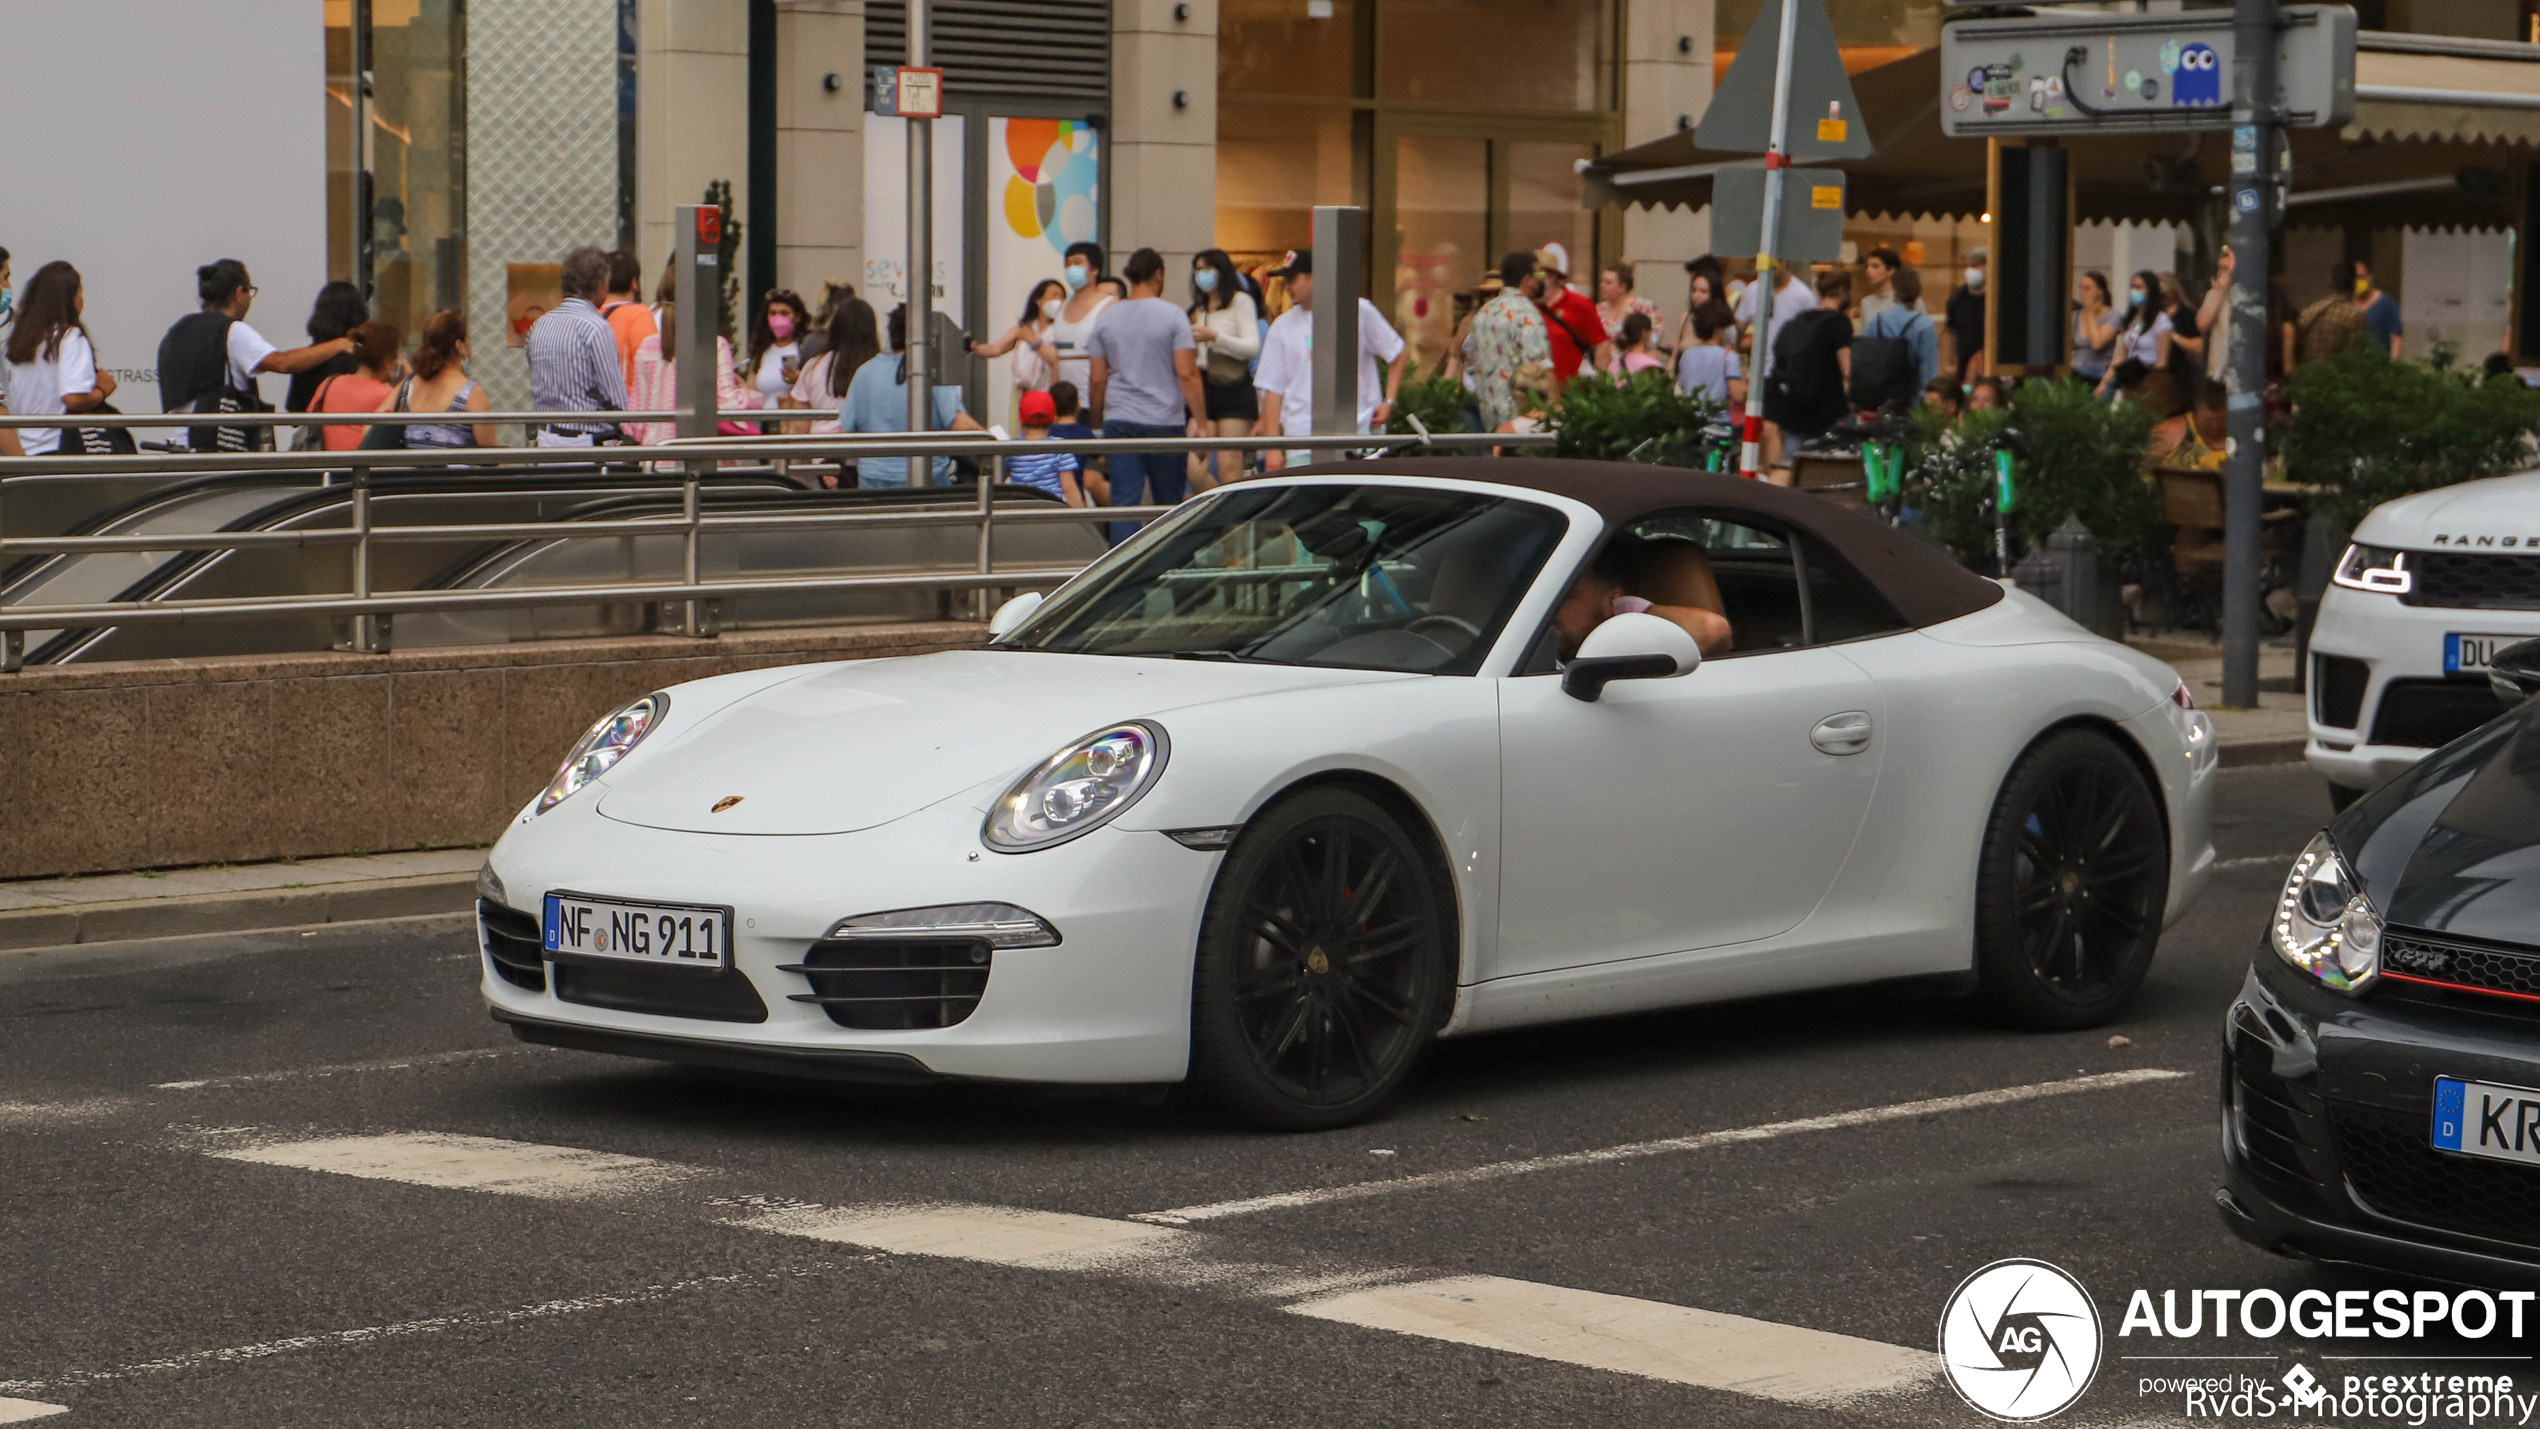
2020, 1340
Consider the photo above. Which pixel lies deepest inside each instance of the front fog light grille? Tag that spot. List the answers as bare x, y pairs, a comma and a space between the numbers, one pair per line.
512, 944
895, 985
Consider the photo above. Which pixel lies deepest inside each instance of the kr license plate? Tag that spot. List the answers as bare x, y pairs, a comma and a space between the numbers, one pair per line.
675, 934
2472, 654
2484, 1119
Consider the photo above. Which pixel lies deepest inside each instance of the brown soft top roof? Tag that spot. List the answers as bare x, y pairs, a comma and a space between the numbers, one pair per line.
1926, 584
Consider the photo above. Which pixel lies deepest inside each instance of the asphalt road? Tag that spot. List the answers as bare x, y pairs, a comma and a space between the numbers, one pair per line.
235, 1193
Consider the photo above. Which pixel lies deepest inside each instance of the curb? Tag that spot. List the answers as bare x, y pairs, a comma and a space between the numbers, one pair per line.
2250, 752
252, 911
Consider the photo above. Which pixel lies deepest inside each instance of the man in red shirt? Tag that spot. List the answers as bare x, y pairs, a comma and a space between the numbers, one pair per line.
1569, 316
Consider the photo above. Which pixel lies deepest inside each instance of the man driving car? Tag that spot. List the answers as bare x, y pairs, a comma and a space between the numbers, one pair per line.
1677, 581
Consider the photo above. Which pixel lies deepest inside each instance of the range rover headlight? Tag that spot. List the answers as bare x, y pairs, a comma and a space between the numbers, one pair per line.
2324, 924
1078, 789
2375, 568
603, 745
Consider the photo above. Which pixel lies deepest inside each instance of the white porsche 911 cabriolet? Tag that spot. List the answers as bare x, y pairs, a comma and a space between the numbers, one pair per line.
1320, 767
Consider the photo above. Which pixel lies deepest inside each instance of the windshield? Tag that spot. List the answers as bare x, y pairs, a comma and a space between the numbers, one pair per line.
1365, 577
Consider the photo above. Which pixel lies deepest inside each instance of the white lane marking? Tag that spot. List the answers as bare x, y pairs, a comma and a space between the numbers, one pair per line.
470, 1163
1634, 1151
14, 1410
343, 1339
2282, 860
1638, 1337
295, 1074
17, 1115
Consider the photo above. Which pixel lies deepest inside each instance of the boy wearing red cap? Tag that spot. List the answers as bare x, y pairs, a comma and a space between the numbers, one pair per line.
1058, 473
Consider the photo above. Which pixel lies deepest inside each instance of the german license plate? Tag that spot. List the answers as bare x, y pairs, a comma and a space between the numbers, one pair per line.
675, 934
2484, 1119
2472, 654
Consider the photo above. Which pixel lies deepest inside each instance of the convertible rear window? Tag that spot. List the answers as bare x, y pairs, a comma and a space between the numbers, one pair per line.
1365, 577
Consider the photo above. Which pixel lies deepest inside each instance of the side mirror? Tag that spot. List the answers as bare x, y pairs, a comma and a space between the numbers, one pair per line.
1013, 613
1629, 647
2515, 672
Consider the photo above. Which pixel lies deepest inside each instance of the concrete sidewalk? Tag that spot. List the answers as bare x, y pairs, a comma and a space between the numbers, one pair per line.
117, 907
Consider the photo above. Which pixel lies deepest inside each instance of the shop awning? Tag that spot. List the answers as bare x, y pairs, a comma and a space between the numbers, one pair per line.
2438, 124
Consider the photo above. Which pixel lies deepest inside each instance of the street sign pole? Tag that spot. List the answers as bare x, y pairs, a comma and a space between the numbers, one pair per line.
1767, 283
921, 254
1340, 243
2255, 136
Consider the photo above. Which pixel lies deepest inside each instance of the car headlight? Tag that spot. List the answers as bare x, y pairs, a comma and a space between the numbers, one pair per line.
2324, 925
603, 745
2375, 568
1078, 789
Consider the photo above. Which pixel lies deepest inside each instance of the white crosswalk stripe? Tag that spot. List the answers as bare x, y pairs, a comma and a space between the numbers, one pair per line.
470, 1163
14, 1411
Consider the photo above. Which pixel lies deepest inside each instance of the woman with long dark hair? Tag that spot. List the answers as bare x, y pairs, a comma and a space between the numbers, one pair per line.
1030, 339
339, 309
853, 339
1226, 327
2145, 339
776, 347
2095, 327
52, 368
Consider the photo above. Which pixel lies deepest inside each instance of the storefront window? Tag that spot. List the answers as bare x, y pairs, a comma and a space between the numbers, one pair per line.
413, 147
1492, 54
1287, 47
1275, 162
1442, 213
1869, 32
1544, 194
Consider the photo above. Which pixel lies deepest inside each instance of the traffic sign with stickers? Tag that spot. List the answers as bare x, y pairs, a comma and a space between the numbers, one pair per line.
2117, 73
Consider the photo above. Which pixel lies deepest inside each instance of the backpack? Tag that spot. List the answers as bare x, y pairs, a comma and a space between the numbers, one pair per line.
1883, 370
1799, 393
194, 377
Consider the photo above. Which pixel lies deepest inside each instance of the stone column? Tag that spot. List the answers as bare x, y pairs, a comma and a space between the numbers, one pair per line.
1163, 179
692, 126
819, 145
1666, 85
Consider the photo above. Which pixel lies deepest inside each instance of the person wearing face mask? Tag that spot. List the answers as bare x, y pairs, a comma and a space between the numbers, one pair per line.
1030, 339
1965, 317
1088, 293
2144, 343
1227, 328
1509, 337
2380, 310
775, 361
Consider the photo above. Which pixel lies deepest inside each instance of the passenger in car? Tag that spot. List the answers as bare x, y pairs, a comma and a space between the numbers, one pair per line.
1673, 580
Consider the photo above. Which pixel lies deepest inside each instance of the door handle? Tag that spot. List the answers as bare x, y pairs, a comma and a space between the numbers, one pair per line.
1845, 733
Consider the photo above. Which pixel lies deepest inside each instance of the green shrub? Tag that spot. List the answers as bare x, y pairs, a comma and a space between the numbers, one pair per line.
1598, 418
2368, 429
2079, 456
1438, 401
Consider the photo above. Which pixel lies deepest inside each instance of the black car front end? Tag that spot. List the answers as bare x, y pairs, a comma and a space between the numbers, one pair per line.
2410, 960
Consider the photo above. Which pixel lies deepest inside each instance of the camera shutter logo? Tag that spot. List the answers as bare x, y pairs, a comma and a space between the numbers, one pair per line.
2020, 1340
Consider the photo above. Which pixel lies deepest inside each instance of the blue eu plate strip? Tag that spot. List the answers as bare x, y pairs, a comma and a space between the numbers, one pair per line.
2452, 666
2448, 1096
553, 917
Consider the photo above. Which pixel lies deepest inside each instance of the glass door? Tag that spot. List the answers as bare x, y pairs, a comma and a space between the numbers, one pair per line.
1452, 195
1441, 236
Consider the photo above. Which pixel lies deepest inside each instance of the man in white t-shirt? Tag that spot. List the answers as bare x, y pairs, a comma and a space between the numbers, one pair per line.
214, 349
1286, 378
1796, 297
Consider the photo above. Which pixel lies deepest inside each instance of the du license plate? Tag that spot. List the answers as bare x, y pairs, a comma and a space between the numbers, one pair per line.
677, 934
2472, 654
2484, 1119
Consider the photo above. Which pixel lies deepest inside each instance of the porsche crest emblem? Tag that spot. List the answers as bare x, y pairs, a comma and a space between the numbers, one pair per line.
727, 801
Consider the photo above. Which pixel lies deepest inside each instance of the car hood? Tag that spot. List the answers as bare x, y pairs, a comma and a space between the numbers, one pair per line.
2453, 845
862, 743
2493, 515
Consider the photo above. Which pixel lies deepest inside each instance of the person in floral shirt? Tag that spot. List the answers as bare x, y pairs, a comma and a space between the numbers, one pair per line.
1508, 334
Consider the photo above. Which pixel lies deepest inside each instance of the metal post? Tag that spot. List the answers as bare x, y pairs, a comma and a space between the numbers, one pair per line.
1767, 283
1340, 238
2254, 138
921, 257
699, 228
364, 273
989, 481
366, 628
12, 642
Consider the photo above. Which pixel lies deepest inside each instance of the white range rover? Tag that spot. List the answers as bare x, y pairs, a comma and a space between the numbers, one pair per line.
2431, 587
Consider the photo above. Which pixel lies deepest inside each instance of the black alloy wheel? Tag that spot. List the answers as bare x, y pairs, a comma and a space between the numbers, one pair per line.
1324, 961
2073, 882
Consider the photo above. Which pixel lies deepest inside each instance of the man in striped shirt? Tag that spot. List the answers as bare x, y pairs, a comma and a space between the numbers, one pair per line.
573, 362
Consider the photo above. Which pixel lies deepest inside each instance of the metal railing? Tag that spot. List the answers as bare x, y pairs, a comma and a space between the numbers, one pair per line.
693, 459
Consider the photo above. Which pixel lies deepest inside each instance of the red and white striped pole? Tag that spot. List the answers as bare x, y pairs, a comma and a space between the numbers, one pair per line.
1767, 290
